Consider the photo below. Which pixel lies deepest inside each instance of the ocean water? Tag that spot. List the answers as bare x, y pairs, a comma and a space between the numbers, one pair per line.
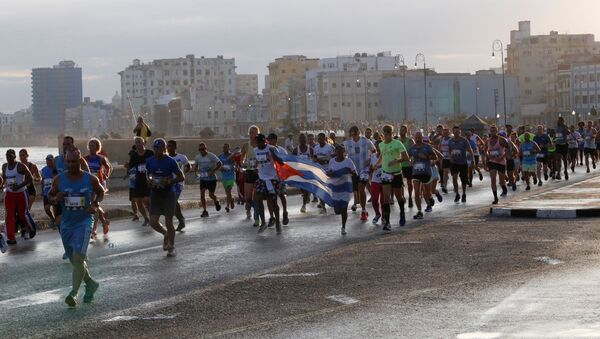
37, 155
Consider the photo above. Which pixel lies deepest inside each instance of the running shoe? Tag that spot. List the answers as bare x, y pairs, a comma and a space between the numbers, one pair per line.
588, 170
431, 201
146, 222
135, 218
204, 214
11, 242
546, 176
364, 215
353, 208
480, 176
376, 219
566, 175
344, 231
181, 225
65, 256
514, 186
463, 199
227, 209
271, 222
105, 227
217, 206
387, 227
71, 300
90, 288
402, 219
171, 253
594, 165
535, 181
444, 190
557, 177
428, 208
323, 210
262, 228
303, 209
256, 222
539, 183
410, 203
418, 216
232, 205
285, 219
527, 188
495, 202
457, 198
3, 244
315, 200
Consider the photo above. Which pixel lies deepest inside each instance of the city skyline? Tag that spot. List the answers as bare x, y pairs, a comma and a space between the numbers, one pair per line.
256, 33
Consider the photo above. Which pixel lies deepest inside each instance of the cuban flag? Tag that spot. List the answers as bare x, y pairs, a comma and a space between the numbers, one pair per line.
334, 189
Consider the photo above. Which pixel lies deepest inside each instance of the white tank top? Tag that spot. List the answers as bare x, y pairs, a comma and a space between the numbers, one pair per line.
303, 155
14, 177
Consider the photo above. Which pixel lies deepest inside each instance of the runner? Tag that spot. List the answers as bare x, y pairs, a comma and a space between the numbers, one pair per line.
359, 149
339, 169
406, 165
73, 190
458, 147
589, 145
15, 178
267, 185
48, 173
303, 151
580, 130
207, 164
322, 154
543, 141
102, 169
496, 161
272, 140
35, 173
376, 187
476, 143
250, 172
553, 157
529, 149
512, 161
162, 174
562, 148
141, 191
393, 154
573, 140
422, 155
228, 170
443, 148
184, 165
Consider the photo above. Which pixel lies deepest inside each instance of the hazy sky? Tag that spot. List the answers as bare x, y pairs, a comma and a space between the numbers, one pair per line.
104, 36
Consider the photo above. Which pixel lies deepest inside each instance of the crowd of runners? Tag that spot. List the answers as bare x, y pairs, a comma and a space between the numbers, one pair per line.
409, 168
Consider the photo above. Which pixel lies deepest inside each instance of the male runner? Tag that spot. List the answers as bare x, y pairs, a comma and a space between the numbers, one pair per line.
528, 148
184, 165
422, 155
207, 163
359, 149
393, 154
458, 147
303, 151
496, 161
406, 165
589, 145
141, 191
267, 185
16, 177
228, 170
562, 147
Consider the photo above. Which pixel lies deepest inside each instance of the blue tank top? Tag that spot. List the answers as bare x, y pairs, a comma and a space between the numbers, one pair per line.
529, 156
59, 164
47, 176
227, 168
78, 196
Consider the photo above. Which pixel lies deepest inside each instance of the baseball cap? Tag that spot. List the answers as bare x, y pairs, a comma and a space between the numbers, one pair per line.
50, 157
260, 137
272, 136
159, 143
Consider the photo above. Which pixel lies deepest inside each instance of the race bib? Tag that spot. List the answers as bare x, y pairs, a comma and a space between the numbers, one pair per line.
75, 201
303, 156
132, 176
141, 168
47, 183
386, 177
364, 176
539, 155
494, 154
261, 157
419, 167
251, 163
203, 174
445, 154
456, 153
559, 135
526, 153
11, 181
357, 149
588, 137
226, 168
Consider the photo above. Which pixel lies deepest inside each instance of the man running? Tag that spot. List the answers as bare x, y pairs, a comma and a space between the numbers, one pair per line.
359, 149
250, 172
496, 161
48, 173
443, 148
406, 165
267, 185
162, 174
102, 169
141, 191
16, 177
79, 194
207, 164
339, 168
528, 148
184, 165
458, 147
422, 155
303, 151
573, 139
228, 170
543, 141
393, 154
322, 154
35, 173
272, 140
589, 145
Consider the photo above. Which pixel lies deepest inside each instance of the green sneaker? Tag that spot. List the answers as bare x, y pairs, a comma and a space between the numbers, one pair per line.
90, 288
71, 300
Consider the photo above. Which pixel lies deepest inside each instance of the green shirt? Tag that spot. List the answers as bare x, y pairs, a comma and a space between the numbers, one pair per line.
552, 149
391, 151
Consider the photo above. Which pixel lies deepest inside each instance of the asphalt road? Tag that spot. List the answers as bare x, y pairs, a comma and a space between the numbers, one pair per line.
139, 284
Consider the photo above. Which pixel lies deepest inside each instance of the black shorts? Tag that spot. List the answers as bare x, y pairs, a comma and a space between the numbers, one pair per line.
407, 172
573, 152
210, 185
498, 167
163, 203
263, 189
562, 149
462, 170
31, 190
476, 158
590, 151
543, 159
445, 163
396, 180
424, 178
355, 182
510, 165
250, 177
140, 191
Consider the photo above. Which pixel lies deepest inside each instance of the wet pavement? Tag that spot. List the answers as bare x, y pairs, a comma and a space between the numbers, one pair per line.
433, 278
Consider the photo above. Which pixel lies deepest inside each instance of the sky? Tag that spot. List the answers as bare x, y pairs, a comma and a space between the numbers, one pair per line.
103, 37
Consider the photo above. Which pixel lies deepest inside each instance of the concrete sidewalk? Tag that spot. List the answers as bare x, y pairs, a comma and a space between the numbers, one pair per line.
578, 200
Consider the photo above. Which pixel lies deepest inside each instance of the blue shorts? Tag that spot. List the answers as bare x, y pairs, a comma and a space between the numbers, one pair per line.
75, 239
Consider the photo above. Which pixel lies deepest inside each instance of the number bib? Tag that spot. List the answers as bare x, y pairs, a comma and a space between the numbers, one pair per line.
47, 183
75, 201
539, 155
526, 153
364, 176
226, 168
419, 167
141, 168
386, 177
203, 175
261, 158
11, 181
494, 153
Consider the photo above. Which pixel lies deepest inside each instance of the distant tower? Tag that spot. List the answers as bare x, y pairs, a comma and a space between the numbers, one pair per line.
117, 101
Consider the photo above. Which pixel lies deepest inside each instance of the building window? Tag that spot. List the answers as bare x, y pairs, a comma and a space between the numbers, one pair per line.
348, 104
358, 84
166, 82
342, 85
528, 92
216, 115
585, 99
376, 104
233, 114
185, 72
376, 84
359, 104
185, 82
527, 79
335, 105
343, 103
209, 115
348, 85
166, 73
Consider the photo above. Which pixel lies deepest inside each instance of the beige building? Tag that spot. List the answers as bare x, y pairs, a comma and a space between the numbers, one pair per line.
247, 84
287, 88
535, 60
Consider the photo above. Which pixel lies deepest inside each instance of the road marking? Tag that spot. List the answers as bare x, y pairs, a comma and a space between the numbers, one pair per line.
280, 275
133, 317
538, 241
130, 252
548, 260
343, 299
399, 243
479, 335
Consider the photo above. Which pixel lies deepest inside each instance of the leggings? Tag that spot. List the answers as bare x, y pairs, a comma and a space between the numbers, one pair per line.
16, 204
376, 196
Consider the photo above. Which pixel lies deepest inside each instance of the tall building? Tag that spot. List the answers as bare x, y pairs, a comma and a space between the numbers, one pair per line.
287, 88
54, 90
534, 59
346, 88
247, 84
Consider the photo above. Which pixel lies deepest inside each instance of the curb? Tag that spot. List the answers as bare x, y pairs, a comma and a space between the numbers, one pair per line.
545, 213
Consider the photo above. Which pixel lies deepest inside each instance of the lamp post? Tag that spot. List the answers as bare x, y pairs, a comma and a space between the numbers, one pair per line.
405, 110
477, 100
417, 57
498, 46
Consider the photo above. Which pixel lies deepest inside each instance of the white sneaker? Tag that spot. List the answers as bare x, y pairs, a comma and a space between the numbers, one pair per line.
3, 244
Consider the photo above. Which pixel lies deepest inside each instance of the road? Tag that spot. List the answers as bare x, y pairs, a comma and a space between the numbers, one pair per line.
140, 286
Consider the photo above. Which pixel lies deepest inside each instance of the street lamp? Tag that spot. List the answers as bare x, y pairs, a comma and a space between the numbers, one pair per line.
498, 46
401, 59
477, 100
417, 57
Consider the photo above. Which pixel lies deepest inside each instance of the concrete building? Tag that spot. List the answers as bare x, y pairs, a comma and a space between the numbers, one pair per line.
585, 90
54, 90
535, 58
448, 95
218, 115
195, 80
346, 88
247, 84
90, 119
287, 88
6, 128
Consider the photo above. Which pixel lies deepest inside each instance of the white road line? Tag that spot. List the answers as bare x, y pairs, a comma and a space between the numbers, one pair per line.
343, 299
280, 275
399, 243
129, 252
479, 335
548, 260
130, 318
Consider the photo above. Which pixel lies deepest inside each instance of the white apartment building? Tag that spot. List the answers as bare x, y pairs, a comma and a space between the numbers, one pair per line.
91, 119
200, 80
346, 88
247, 84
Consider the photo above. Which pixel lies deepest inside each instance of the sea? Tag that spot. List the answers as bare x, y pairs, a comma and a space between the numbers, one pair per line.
37, 155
